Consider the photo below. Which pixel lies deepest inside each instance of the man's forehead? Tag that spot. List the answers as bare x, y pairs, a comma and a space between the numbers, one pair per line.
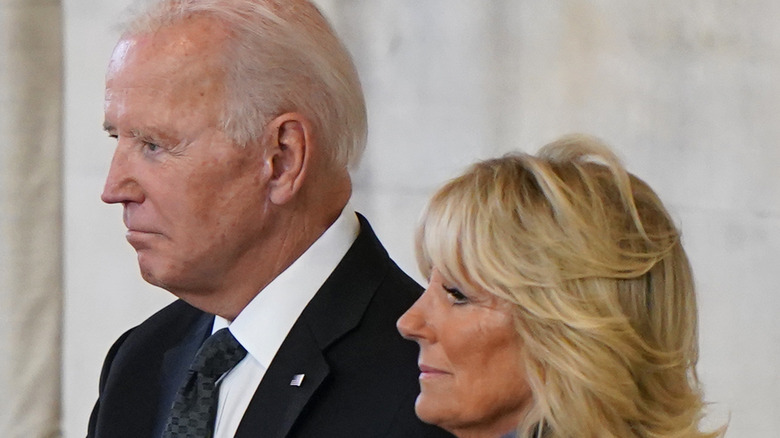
120, 51
194, 39
179, 67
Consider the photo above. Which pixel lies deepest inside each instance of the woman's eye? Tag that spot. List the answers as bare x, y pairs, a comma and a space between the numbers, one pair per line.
455, 296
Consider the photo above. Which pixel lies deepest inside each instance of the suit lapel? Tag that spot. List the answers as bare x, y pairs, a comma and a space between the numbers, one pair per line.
139, 380
278, 401
335, 310
175, 363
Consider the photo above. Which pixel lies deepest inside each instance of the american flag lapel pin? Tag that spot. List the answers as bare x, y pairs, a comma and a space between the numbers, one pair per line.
297, 380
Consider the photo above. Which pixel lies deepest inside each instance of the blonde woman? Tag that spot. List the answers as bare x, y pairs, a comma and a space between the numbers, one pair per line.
560, 303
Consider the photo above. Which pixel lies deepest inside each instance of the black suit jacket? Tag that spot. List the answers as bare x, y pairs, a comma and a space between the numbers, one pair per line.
360, 375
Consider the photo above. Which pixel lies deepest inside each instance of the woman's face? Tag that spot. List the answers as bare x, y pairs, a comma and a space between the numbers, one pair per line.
472, 381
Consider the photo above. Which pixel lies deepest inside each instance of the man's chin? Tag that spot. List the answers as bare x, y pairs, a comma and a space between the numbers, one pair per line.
152, 272
153, 279
171, 280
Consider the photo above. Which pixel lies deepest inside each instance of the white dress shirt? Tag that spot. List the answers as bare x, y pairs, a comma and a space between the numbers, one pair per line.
264, 323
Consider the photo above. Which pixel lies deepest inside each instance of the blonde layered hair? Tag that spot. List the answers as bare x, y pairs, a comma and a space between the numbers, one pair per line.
603, 290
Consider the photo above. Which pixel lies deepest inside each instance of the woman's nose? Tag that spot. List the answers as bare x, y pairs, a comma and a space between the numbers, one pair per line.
412, 325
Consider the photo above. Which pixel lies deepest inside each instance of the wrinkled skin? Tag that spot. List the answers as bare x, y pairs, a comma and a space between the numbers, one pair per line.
195, 204
472, 381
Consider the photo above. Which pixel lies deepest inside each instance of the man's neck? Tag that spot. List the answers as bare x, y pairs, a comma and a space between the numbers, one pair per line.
260, 265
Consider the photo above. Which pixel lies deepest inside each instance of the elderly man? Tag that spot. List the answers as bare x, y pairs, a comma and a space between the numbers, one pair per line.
236, 122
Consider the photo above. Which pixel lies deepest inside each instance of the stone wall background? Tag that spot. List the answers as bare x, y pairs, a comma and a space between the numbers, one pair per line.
686, 92
31, 286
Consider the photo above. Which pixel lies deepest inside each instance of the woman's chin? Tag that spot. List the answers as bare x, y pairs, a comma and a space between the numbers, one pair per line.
424, 410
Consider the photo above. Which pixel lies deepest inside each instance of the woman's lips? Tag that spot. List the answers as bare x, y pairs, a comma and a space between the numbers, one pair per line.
428, 372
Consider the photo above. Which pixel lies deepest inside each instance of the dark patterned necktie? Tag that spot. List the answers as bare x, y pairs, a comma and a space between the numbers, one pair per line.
195, 406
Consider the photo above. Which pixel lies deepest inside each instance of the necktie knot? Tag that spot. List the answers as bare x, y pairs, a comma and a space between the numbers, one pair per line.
195, 406
218, 354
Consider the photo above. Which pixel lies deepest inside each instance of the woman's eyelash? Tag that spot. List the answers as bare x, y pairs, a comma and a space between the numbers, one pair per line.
456, 295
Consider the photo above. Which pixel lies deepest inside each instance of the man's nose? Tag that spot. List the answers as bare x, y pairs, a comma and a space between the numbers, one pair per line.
121, 182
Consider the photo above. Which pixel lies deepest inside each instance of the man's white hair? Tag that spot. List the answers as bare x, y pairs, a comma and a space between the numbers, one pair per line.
281, 56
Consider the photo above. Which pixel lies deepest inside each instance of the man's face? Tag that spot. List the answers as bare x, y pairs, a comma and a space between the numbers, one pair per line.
193, 201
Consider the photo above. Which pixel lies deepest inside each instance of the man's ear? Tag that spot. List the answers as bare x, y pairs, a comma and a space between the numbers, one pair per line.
287, 155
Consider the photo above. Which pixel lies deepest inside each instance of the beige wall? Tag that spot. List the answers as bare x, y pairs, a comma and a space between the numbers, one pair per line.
687, 92
30, 226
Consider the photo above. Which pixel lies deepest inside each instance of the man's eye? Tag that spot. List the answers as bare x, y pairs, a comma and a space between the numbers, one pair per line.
455, 296
151, 147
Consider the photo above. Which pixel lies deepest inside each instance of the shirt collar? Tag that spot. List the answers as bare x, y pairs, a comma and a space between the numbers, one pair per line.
264, 323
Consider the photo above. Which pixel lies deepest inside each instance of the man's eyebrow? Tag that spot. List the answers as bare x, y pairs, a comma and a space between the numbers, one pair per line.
147, 134
137, 133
